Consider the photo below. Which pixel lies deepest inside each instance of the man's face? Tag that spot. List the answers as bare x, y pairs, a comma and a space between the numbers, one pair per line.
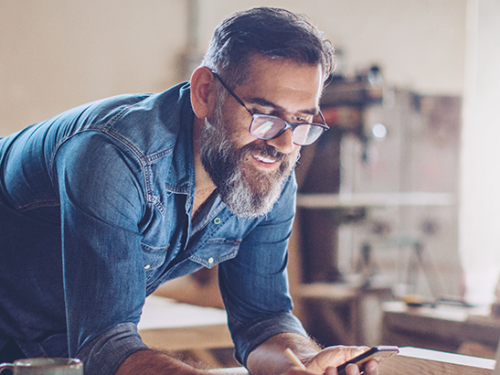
249, 172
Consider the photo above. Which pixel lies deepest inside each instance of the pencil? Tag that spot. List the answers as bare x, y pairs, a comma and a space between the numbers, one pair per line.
291, 355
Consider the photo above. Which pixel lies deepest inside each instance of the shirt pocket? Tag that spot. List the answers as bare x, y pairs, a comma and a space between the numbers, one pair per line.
215, 251
154, 256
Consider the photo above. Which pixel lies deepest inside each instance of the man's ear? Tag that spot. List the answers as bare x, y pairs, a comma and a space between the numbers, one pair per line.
202, 91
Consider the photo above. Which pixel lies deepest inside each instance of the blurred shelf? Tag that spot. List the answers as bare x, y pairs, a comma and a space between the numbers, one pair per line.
329, 201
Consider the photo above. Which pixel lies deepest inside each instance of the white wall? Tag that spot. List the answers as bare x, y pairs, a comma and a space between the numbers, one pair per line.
56, 54
480, 178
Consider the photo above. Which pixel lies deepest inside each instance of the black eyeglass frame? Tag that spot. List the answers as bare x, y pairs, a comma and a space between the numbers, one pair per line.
288, 125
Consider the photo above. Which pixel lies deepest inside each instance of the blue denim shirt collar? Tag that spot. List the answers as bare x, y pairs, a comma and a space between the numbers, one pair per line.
181, 178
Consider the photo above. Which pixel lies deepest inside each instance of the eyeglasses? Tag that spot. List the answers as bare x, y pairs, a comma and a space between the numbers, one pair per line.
268, 127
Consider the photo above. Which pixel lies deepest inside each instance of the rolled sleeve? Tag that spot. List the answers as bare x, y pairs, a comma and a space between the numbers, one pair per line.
104, 354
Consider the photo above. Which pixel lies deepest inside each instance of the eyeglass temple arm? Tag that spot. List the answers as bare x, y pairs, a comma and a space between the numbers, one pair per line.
229, 89
323, 119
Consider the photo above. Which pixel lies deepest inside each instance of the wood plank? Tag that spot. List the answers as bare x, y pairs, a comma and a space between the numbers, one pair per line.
437, 327
188, 338
416, 361
168, 325
160, 312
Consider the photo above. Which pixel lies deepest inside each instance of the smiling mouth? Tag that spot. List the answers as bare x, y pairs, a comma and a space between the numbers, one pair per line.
265, 160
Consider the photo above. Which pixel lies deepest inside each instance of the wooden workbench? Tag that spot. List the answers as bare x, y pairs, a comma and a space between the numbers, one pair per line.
171, 326
417, 361
443, 327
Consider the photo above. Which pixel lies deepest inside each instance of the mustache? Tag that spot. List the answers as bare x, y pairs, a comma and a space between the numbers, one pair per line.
265, 150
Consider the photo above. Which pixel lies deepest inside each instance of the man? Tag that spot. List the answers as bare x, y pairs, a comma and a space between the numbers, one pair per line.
103, 203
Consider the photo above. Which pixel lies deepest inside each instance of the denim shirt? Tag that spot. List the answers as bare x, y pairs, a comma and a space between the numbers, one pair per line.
95, 214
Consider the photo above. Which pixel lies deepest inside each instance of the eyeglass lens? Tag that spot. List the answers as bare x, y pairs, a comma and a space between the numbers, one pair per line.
268, 127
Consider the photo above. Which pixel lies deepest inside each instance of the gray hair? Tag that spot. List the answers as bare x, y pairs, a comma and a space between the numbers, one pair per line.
271, 32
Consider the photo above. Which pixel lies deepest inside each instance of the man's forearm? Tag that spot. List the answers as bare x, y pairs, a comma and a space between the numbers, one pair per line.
150, 362
269, 358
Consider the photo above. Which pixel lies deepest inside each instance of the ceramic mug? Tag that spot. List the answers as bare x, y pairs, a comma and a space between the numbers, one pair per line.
44, 366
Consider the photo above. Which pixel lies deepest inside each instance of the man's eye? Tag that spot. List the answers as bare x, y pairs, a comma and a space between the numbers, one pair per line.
299, 119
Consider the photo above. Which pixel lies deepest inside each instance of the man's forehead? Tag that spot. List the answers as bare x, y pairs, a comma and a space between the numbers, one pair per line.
257, 64
263, 102
279, 83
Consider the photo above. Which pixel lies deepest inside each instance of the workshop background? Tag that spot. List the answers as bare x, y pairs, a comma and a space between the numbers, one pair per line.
413, 109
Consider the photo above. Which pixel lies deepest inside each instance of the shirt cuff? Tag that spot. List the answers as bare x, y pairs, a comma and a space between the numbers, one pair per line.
249, 337
104, 354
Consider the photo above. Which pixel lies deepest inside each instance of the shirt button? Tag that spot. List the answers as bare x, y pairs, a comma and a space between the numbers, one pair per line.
147, 267
210, 260
217, 220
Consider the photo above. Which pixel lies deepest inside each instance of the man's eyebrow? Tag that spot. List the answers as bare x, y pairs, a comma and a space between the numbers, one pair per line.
266, 103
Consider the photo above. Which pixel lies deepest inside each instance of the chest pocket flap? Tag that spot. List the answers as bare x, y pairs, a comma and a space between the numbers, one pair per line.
216, 250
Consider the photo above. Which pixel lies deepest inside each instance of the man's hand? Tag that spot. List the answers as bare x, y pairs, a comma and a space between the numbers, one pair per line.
326, 361
269, 358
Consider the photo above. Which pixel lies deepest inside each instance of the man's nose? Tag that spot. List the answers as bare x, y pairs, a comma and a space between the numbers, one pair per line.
283, 143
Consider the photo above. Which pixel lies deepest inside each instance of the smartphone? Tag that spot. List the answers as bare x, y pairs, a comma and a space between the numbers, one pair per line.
377, 353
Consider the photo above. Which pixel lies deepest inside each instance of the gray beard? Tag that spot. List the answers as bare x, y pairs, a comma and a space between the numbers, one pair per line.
245, 191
